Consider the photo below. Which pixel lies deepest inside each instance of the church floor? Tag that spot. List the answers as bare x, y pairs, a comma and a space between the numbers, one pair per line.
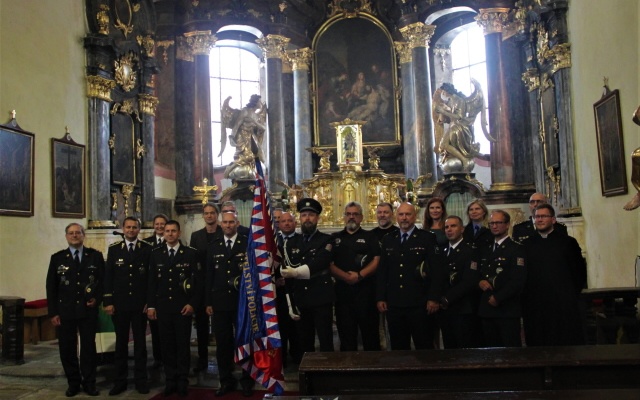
41, 376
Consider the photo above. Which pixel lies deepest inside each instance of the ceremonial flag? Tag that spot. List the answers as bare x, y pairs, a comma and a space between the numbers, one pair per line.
258, 341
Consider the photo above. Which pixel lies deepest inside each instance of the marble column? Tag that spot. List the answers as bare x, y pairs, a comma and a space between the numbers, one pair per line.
420, 157
147, 104
99, 94
411, 159
301, 112
273, 47
492, 21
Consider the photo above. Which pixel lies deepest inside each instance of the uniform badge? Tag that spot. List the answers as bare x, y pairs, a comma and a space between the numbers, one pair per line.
328, 247
474, 265
361, 241
338, 241
520, 261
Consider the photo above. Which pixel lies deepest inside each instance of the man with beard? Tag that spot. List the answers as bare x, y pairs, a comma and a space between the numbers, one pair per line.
356, 253
384, 215
556, 274
310, 256
527, 228
410, 282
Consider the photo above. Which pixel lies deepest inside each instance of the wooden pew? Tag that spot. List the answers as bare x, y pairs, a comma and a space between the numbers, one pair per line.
471, 370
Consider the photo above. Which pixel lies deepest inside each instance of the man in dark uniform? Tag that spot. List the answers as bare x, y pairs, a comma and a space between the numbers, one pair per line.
201, 240
284, 288
156, 240
74, 291
225, 260
310, 256
384, 216
125, 299
527, 228
410, 282
459, 303
356, 253
171, 292
556, 274
231, 206
502, 277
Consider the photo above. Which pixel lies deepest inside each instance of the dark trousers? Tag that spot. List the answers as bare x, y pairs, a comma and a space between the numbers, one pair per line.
316, 320
175, 330
137, 321
458, 330
224, 324
82, 371
361, 314
202, 330
407, 323
156, 346
288, 329
502, 332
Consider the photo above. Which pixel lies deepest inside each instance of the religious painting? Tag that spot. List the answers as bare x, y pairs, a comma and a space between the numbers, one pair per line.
349, 140
68, 170
122, 145
16, 170
355, 78
611, 156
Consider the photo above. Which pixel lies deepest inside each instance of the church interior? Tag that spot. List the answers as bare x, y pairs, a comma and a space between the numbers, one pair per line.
126, 85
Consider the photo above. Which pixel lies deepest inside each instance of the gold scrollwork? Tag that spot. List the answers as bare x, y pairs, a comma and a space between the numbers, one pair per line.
112, 143
418, 34
493, 20
148, 44
542, 45
147, 104
103, 19
138, 204
141, 150
560, 56
126, 107
126, 26
531, 79
403, 51
100, 87
553, 184
165, 44
200, 43
273, 46
126, 194
114, 200
335, 8
556, 126
300, 58
125, 74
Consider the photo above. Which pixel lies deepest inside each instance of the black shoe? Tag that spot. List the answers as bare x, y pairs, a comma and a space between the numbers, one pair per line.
169, 389
117, 389
142, 388
182, 391
225, 389
72, 391
247, 392
91, 391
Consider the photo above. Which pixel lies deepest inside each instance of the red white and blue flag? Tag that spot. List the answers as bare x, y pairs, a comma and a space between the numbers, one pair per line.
259, 348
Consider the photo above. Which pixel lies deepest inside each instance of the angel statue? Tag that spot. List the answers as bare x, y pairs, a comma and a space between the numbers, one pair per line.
325, 154
456, 145
246, 124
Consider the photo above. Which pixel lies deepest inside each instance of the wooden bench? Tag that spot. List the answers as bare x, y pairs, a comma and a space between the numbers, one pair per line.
36, 323
471, 370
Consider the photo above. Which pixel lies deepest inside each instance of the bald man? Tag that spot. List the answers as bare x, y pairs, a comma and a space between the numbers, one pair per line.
526, 229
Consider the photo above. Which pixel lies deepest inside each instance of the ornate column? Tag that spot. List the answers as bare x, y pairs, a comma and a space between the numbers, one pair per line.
420, 157
302, 120
411, 155
273, 47
492, 20
99, 94
147, 104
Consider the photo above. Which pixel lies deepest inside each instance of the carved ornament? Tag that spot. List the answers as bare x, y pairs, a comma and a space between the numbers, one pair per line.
349, 8
112, 143
126, 107
103, 19
542, 45
493, 20
140, 149
404, 52
273, 46
100, 87
553, 184
418, 34
126, 193
124, 22
442, 52
124, 73
200, 43
148, 44
165, 44
147, 104
560, 56
183, 51
300, 58
531, 79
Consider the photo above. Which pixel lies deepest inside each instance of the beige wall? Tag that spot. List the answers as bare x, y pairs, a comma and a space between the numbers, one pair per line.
42, 78
604, 42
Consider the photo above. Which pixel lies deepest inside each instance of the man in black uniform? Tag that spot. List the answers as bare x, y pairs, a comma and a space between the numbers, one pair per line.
310, 256
410, 282
201, 240
556, 274
527, 228
356, 253
156, 240
384, 215
225, 260
125, 299
459, 304
230, 206
171, 292
502, 277
74, 291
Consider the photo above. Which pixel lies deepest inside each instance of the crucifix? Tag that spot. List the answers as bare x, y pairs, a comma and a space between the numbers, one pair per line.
205, 189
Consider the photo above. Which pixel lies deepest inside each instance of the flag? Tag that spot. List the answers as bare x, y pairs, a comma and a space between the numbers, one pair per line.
259, 348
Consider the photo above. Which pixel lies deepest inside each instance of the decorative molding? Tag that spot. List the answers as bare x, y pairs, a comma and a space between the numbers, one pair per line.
183, 51
560, 57
531, 79
100, 87
125, 74
125, 23
126, 107
147, 104
273, 46
336, 7
141, 150
442, 52
300, 58
165, 44
148, 44
403, 51
493, 20
418, 34
200, 43
103, 20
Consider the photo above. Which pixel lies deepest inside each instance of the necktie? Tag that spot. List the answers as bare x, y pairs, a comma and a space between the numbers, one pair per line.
172, 253
228, 246
130, 247
306, 238
495, 246
404, 237
76, 257
477, 229
160, 241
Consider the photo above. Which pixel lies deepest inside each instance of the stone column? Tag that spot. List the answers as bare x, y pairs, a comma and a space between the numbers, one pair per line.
147, 104
273, 47
419, 142
99, 94
411, 155
301, 112
492, 21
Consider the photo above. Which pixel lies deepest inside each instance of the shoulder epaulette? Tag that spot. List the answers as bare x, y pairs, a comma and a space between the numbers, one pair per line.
144, 243
116, 243
189, 247
158, 247
60, 252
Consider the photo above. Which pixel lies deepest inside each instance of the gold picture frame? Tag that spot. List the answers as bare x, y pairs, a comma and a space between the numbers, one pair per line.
349, 144
68, 178
17, 155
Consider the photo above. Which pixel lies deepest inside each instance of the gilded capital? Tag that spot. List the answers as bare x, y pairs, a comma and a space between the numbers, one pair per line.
404, 52
493, 20
165, 44
183, 51
418, 34
300, 58
273, 46
100, 87
148, 44
103, 20
531, 79
147, 104
200, 42
560, 56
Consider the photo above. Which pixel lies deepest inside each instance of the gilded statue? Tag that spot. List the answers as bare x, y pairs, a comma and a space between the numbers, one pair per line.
325, 154
246, 124
457, 146
635, 170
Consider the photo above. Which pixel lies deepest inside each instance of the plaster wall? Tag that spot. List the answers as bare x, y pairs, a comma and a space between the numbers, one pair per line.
604, 42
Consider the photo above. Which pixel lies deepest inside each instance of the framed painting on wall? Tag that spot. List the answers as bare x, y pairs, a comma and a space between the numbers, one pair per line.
17, 155
68, 178
613, 172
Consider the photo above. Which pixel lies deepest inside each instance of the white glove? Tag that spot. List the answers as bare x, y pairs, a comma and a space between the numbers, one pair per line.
302, 272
